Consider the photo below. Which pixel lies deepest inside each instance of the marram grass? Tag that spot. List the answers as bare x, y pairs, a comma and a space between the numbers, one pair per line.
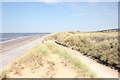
42, 50
99, 45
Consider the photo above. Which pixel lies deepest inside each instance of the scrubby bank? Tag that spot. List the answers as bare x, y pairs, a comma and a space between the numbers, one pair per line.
101, 46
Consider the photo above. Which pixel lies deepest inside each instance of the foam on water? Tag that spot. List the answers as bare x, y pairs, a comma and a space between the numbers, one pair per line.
14, 39
7, 37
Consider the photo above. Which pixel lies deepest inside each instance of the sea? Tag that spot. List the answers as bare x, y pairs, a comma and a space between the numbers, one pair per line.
6, 37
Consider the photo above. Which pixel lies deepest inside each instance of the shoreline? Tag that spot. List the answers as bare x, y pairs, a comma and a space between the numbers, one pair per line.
14, 39
6, 46
11, 50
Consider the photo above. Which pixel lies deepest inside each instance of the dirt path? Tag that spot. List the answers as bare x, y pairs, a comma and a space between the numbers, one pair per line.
102, 71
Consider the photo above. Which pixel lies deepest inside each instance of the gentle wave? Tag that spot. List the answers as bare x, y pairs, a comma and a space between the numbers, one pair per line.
14, 39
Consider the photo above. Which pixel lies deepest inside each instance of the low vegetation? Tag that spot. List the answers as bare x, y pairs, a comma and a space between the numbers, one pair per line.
36, 58
101, 46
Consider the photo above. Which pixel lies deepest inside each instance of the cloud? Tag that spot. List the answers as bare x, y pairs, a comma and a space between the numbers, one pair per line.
49, 1
102, 0
57, 1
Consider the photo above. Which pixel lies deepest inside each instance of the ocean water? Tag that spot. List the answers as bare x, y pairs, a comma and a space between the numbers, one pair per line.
5, 37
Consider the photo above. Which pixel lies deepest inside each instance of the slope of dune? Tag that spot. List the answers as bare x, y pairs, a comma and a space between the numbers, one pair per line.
47, 60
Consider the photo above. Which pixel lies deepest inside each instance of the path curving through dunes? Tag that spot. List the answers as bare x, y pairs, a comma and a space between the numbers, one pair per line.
102, 71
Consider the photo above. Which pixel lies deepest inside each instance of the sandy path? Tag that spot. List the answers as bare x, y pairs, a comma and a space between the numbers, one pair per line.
102, 71
15, 49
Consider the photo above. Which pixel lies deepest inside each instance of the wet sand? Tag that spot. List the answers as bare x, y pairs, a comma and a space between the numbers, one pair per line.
6, 47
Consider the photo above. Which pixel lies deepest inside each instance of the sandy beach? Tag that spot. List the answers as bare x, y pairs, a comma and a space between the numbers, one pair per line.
11, 50
15, 43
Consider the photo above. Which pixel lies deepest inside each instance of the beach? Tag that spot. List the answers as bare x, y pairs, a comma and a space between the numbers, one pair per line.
31, 57
15, 43
11, 50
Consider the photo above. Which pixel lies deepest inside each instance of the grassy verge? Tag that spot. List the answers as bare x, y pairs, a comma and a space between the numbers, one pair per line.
33, 58
102, 46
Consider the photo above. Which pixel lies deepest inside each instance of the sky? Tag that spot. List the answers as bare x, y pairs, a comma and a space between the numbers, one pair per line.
37, 17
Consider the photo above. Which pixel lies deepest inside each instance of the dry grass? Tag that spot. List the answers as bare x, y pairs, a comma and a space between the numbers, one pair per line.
36, 57
102, 46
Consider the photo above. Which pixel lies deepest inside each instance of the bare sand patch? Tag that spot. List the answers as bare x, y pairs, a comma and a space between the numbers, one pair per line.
53, 66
